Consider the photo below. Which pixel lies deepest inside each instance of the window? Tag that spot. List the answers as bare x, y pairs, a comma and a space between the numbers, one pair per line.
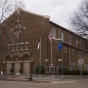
70, 40
17, 47
13, 47
65, 49
72, 65
9, 47
26, 45
62, 36
76, 42
83, 43
53, 33
22, 46
73, 52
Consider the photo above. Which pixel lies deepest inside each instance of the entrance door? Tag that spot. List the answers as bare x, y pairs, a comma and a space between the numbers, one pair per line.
8, 67
17, 67
26, 68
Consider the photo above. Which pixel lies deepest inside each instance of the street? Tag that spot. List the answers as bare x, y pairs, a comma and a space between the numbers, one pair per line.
58, 84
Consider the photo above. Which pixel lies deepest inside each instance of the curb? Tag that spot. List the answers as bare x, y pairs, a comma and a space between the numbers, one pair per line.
14, 79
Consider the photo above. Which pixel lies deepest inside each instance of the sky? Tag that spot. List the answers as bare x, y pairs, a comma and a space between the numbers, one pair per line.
58, 10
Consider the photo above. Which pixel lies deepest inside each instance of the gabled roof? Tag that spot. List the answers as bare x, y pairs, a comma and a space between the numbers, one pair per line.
45, 16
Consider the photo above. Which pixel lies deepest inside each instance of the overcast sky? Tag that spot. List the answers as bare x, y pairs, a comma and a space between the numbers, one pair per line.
58, 10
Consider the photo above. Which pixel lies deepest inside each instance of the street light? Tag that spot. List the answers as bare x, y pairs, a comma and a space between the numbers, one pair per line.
30, 78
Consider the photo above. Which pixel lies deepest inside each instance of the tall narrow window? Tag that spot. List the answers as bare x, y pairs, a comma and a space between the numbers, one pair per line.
76, 42
72, 65
22, 46
26, 45
62, 36
17, 47
13, 47
65, 49
9, 47
53, 33
73, 52
83, 44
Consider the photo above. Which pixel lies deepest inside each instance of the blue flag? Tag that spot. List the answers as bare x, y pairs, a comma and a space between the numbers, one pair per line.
60, 45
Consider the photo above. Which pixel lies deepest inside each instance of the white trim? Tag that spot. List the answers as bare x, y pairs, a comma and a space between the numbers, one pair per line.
8, 44
56, 39
26, 42
45, 16
18, 54
22, 43
26, 53
7, 55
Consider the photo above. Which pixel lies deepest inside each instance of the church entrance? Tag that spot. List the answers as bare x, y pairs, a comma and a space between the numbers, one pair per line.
18, 63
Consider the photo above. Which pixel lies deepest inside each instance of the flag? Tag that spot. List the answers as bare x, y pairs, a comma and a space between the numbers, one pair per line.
38, 45
60, 45
50, 36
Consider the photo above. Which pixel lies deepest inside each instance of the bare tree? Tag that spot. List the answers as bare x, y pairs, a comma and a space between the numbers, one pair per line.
6, 8
79, 20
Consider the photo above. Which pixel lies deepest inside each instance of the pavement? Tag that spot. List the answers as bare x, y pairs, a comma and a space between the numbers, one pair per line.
70, 81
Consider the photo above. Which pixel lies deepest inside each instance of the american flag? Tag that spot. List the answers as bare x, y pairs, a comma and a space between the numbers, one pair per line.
50, 36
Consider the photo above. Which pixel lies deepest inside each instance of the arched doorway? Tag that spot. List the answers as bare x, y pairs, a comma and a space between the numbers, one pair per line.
17, 63
8, 60
26, 63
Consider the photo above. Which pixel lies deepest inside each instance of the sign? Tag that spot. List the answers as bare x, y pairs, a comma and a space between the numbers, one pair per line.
80, 61
51, 69
60, 60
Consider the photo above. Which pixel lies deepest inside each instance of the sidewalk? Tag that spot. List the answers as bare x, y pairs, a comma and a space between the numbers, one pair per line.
45, 80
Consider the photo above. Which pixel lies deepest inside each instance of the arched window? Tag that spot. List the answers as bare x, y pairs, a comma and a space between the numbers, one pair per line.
62, 36
53, 33
76, 41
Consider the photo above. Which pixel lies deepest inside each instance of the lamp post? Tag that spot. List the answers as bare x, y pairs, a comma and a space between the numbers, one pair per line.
30, 78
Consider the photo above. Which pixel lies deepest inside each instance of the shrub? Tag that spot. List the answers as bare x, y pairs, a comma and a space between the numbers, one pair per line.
74, 72
64, 71
11, 70
20, 71
77, 72
38, 70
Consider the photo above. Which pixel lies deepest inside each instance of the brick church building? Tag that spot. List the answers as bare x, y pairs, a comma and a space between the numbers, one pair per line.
26, 30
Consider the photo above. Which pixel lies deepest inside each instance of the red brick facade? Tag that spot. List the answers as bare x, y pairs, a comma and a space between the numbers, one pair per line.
31, 28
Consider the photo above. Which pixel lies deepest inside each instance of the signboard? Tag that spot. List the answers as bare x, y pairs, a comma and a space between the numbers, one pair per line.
51, 68
60, 60
80, 61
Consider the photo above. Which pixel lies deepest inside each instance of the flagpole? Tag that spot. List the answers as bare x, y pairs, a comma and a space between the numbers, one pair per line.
62, 61
51, 51
40, 57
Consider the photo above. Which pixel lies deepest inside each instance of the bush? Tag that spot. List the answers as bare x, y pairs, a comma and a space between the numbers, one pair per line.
38, 70
74, 72
64, 71
20, 71
77, 72
11, 70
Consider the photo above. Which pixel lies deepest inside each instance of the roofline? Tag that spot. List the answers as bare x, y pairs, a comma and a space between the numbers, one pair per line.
45, 16
66, 29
